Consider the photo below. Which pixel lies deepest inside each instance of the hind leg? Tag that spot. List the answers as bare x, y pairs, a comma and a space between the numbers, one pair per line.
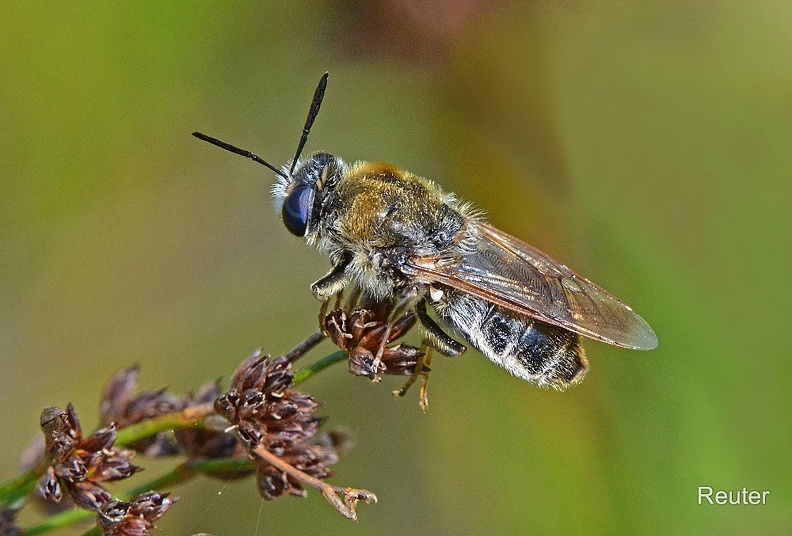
422, 369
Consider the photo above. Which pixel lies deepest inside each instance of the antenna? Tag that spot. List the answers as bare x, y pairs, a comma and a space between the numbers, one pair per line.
316, 103
312, 113
241, 152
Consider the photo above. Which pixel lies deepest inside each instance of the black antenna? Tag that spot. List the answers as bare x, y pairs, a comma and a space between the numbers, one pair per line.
242, 152
312, 113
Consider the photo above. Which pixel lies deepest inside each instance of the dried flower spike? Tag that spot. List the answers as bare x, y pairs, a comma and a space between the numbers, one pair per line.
365, 334
277, 425
80, 464
133, 518
263, 407
120, 404
211, 439
268, 413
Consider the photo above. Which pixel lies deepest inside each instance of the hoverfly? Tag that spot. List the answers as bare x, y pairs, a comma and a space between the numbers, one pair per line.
393, 234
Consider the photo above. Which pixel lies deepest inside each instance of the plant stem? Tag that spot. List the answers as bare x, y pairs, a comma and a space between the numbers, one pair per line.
309, 370
13, 492
185, 418
58, 521
306, 346
330, 492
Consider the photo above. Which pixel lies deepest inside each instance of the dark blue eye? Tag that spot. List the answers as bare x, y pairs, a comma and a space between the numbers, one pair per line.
297, 208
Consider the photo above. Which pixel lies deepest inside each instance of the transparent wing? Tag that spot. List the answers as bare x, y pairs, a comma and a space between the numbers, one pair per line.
519, 277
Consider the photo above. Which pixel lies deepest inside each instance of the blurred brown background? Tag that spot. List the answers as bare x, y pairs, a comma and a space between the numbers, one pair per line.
647, 145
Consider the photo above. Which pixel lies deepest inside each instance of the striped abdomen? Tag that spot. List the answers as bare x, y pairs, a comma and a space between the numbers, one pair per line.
530, 349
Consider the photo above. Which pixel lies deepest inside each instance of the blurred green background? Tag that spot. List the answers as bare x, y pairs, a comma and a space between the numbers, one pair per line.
647, 145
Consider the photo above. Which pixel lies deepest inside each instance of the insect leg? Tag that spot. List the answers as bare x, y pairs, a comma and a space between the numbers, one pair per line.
334, 282
439, 339
339, 297
395, 314
426, 364
323, 315
421, 369
378, 356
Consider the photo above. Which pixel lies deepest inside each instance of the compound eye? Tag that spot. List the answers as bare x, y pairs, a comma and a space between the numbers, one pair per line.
297, 208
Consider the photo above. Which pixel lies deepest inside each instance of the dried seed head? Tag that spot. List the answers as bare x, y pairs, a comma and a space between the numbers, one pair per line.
268, 413
79, 464
120, 405
61, 431
263, 407
211, 440
367, 331
133, 518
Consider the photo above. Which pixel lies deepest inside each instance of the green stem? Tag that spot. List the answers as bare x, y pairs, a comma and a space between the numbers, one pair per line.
58, 521
309, 370
186, 418
13, 492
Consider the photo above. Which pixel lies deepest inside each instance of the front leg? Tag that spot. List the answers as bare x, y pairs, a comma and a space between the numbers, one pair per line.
334, 282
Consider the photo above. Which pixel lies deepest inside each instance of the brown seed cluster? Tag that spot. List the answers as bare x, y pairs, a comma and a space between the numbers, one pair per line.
122, 406
80, 464
135, 517
274, 425
366, 332
210, 440
268, 413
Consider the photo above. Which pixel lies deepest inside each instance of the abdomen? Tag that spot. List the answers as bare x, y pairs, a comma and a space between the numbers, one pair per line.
535, 351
